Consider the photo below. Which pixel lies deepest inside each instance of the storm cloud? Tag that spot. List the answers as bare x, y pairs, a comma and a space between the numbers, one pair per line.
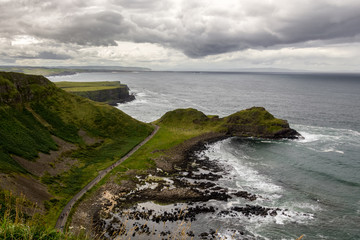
195, 28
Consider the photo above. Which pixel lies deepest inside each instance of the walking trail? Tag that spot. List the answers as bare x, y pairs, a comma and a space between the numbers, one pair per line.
60, 224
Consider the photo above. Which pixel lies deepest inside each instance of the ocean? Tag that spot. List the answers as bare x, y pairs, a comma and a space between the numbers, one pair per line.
315, 180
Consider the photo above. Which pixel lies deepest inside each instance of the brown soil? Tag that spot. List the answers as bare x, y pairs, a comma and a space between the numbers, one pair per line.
54, 163
27, 186
87, 139
103, 198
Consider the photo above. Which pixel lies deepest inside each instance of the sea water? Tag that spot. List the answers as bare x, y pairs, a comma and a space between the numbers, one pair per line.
315, 180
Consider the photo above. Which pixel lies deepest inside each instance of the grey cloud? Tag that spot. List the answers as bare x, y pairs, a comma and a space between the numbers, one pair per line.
51, 55
45, 55
196, 28
99, 29
142, 4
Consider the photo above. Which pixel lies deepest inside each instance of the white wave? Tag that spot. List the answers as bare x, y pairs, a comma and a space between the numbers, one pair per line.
314, 133
308, 137
139, 94
305, 206
327, 139
332, 150
245, 176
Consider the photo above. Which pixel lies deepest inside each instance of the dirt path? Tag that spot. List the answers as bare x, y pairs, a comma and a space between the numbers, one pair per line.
60, 224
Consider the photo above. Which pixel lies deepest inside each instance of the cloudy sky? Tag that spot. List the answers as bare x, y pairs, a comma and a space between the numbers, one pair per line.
320, 35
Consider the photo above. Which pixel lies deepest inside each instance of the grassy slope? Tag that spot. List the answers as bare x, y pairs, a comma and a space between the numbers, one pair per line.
42, 110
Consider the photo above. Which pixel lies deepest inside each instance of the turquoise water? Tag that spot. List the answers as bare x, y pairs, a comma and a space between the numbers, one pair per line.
316, 179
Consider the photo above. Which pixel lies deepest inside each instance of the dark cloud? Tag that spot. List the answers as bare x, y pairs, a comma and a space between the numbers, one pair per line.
197, 28
98, 29
51, 55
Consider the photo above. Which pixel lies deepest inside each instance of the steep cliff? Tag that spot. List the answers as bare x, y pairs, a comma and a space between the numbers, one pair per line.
108, 92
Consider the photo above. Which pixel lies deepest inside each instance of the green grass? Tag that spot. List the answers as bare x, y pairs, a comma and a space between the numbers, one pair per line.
21, 134
88, 86
119, 134
182, 124
175, 127
257, 117
43, 110
15, 224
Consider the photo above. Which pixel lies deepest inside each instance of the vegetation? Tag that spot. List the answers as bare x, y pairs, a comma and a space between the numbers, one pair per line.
108, 92
15, 223
184, 124
39, 111
88, 86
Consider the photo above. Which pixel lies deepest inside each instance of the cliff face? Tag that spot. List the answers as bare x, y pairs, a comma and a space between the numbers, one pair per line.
108, 92
257, 122
19, 88
110, 96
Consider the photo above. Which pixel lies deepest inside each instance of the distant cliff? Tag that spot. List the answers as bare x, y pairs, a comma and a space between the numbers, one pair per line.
109, 92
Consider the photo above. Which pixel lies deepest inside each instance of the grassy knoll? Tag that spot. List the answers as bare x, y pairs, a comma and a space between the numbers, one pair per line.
175, 127
32, 110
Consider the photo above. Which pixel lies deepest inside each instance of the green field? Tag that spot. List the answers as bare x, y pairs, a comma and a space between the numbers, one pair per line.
88, 86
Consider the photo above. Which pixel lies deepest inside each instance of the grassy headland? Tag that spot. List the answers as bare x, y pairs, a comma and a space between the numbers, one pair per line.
109, 92
182, 128
88, 86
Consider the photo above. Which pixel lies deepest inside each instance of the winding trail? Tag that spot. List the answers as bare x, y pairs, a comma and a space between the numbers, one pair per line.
60, 224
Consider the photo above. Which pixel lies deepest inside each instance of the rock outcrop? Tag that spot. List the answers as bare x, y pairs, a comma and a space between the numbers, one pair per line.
110, 96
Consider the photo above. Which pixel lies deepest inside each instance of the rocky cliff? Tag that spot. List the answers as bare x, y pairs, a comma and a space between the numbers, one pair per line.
108, 92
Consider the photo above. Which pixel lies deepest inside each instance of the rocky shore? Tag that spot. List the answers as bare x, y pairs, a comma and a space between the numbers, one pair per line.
160, 204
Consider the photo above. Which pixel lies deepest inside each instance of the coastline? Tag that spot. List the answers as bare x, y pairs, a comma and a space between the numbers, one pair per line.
186, 191
167, 182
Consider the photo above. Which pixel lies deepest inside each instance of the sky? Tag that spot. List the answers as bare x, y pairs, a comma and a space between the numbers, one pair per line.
312, 35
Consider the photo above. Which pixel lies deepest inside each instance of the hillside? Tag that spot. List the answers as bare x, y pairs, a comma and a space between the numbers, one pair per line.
53, 143
108, 92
